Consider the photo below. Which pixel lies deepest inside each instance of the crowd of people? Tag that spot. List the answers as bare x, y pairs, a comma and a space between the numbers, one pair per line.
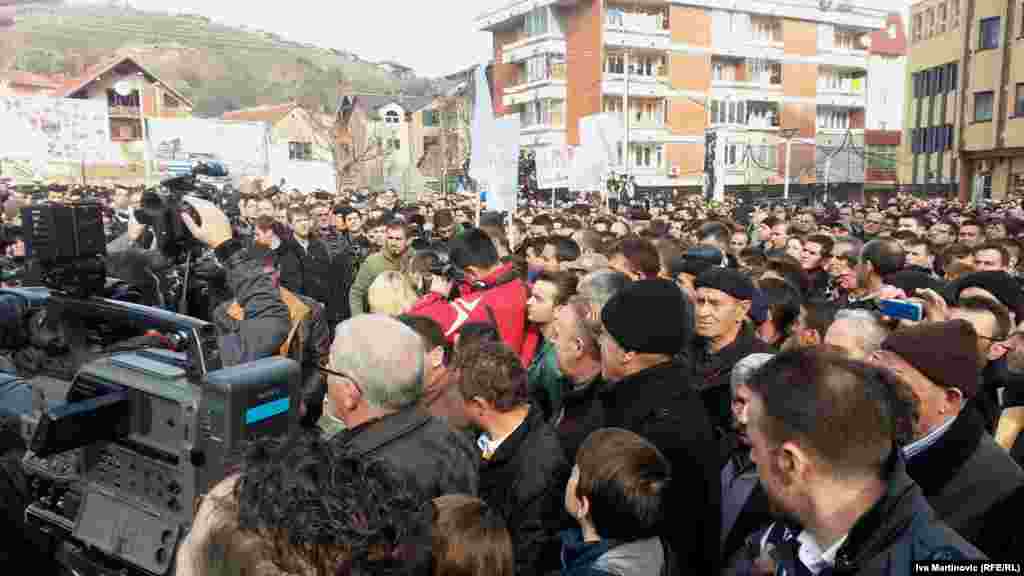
692, 387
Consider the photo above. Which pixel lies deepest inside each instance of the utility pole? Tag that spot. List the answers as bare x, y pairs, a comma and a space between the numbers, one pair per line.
788, 134
625, 114
828, 174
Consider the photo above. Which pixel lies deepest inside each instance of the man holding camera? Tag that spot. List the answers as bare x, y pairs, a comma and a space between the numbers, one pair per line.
265, 320
488, 291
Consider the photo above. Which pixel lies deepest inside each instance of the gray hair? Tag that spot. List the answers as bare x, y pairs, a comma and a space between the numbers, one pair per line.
745, 368
384, 357
866, 326
600, 285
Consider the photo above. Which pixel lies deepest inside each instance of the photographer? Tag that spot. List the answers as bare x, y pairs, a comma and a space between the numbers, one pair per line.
488, 291
265, 320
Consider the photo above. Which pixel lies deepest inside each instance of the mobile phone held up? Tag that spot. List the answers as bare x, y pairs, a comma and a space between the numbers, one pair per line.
901, 309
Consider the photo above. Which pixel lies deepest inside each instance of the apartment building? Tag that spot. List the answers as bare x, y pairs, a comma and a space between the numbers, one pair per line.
750, 70
965, 111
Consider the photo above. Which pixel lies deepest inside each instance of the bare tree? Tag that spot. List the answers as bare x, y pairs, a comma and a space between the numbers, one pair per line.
346, 135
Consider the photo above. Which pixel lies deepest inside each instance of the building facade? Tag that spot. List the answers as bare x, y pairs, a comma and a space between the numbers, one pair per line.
746, 69
965, 110
384, 139
300, 145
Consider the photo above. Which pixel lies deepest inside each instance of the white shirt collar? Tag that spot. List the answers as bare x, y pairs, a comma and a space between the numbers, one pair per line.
813, 557
921, 444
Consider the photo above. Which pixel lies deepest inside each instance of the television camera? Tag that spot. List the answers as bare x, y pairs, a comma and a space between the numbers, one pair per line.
118, 455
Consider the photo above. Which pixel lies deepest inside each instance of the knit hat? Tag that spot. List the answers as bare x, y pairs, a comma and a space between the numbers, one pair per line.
945, 352
649, 316
733, 282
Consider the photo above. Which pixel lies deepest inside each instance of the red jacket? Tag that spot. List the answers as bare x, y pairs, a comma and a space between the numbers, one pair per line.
506, 301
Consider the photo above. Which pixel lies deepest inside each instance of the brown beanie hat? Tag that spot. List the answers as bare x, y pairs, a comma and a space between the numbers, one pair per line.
945, 352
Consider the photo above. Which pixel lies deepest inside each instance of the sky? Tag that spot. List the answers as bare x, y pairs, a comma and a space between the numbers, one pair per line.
433, 38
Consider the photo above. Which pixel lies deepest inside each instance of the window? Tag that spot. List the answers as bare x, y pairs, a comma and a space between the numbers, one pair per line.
300, 151
730, 158
392, 117
1018, 107
982, 106
646, 155
431, 118
537, 22
728, 112
764, 72
989, 33
918, 21
613, 105
833, 118
881, 158
394, 144
765, 29
940, 24
170, 101
951, 77
915, 83
614, 64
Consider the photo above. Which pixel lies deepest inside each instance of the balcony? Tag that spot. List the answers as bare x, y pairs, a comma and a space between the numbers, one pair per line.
533, 46
125, 112
849, 86
649, 86
637, 29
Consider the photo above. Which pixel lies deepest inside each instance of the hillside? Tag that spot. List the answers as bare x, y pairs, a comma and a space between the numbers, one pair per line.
218, 67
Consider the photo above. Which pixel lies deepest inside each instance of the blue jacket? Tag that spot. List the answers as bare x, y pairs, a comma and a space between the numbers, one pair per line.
901, 528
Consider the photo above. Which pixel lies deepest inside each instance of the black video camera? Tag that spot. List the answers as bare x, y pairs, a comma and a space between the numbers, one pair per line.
161, 210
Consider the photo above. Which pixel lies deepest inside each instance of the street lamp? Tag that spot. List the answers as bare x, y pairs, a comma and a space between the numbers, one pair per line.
788, 134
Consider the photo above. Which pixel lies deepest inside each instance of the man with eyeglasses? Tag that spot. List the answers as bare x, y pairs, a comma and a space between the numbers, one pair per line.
374, 384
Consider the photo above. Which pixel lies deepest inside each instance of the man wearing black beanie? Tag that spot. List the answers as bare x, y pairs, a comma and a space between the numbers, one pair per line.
645, 325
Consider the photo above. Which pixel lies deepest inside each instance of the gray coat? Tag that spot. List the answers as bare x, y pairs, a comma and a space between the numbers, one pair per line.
964, 474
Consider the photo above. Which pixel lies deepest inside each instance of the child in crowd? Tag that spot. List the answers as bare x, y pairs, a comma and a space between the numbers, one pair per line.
616, 494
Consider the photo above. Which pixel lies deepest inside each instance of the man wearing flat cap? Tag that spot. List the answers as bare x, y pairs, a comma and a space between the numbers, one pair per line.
963, 473
644, 326
725, 336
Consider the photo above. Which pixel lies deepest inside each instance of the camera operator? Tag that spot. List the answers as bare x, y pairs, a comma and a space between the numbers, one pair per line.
488, 292
265, 320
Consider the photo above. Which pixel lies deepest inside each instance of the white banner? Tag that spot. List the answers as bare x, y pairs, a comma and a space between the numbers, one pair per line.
504, 164
600, 137
70, 130
242, 146
553, 167
481, 128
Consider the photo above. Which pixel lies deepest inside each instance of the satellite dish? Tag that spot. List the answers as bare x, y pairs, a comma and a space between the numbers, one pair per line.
123, 88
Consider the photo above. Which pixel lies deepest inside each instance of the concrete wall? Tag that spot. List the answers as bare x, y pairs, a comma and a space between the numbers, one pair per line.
584, 43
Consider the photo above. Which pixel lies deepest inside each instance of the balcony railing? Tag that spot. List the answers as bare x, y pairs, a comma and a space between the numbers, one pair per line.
125, 111
618, 19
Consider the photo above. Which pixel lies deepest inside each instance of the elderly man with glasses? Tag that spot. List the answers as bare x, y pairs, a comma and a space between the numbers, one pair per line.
374, 384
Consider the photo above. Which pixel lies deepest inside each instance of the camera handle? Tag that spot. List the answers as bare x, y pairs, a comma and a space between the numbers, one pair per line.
183, 298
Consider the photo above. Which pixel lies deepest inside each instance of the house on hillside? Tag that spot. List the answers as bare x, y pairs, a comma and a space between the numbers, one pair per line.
397, 70
132, 93
300, 145
445, 129
383, 139
21, 83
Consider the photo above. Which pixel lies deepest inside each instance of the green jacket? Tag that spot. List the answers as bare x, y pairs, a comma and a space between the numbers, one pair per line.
546, 381
368, 272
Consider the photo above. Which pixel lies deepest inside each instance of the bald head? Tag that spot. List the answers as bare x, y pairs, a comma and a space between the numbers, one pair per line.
383, 356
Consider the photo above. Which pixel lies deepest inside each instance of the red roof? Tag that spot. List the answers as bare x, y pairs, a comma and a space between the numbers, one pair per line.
271, 113
75, 84
882, 42
22, 78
